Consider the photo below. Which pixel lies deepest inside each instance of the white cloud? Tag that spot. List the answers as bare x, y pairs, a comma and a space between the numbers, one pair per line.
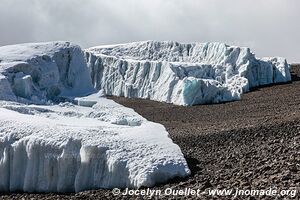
269, 27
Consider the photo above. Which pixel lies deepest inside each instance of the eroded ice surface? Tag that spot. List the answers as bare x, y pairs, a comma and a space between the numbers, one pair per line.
183, 74
67, 147
85, 143
90, 142
38, 72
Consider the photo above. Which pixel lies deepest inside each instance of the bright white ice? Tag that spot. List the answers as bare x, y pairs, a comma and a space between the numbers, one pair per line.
183, 74
65, 147
85, 143
91, 142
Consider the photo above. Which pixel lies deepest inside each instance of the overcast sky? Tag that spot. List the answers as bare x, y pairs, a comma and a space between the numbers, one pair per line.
269, 27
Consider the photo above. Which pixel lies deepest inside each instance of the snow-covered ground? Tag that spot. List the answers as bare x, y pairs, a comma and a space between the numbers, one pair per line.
183, 74
83, 142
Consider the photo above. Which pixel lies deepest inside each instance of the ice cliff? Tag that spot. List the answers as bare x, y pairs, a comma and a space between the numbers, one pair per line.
43, 71
183, 74
57, 134
54, 138
66, 148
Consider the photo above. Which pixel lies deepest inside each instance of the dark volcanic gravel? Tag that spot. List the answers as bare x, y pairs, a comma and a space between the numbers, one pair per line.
249, 144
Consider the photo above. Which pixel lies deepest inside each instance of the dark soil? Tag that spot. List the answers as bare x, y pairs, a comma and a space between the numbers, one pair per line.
249, 144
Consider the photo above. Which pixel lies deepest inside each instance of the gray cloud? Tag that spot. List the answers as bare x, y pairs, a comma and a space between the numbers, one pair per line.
269, 27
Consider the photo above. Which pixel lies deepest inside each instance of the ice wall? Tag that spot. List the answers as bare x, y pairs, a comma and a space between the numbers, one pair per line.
183, 74
38, 72
67, 148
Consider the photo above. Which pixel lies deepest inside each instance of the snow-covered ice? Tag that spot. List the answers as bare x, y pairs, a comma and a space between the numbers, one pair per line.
183, 74
67, 147
83, 142
41, 71
58, 133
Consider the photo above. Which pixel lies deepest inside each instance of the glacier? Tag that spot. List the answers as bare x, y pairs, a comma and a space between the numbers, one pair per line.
182, 74
58, 134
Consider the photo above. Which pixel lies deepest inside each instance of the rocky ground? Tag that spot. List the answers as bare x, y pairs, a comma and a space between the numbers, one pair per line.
249, 144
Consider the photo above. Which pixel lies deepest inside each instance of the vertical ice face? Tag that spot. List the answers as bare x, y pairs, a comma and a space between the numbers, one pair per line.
23, 85
183, 74
42, 71
67, 148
